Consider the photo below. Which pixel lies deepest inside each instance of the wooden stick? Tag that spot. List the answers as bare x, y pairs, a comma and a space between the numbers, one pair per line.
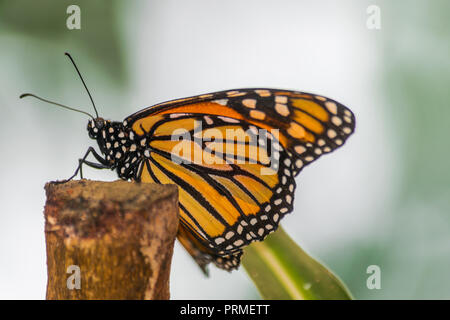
109, 240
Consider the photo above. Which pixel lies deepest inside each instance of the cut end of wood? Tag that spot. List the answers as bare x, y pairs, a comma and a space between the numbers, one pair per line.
109, 240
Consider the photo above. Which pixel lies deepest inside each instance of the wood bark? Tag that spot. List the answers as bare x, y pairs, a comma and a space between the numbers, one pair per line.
109, 240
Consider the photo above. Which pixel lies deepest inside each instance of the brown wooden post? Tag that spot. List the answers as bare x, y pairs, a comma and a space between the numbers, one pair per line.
113, 240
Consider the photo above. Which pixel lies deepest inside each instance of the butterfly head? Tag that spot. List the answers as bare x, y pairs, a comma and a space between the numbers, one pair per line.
101, 130
95, 127
113, 139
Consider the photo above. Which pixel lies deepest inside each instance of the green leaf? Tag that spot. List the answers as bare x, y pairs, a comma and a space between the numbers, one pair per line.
281, 270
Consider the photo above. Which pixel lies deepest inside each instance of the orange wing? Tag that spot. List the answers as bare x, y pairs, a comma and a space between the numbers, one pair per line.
235, 189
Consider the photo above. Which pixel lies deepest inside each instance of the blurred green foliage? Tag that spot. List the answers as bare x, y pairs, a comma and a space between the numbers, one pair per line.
412, 246
45, 20
281, 270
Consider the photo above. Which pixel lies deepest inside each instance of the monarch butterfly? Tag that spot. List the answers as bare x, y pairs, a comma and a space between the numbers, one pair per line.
239, 191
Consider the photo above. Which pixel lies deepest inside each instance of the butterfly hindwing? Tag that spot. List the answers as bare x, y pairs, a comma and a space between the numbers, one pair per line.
234, 193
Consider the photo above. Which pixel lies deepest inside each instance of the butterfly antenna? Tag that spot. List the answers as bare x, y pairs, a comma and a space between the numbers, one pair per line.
55, 103
82, 80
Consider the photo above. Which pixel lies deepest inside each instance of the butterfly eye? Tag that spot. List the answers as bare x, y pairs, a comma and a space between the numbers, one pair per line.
99, 123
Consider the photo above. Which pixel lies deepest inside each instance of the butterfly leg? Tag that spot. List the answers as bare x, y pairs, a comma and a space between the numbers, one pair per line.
90, 164
103, 164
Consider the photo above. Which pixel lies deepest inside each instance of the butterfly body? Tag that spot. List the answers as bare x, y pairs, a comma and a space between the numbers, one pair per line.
117, 146
233, 189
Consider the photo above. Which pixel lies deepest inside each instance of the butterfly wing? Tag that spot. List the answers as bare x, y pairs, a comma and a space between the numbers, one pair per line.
235, 189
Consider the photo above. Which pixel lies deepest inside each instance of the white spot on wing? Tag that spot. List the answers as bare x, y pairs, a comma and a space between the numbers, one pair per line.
331, 106
282, 109
222, 102
281, 99
249, 103
229, 120
208, 120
